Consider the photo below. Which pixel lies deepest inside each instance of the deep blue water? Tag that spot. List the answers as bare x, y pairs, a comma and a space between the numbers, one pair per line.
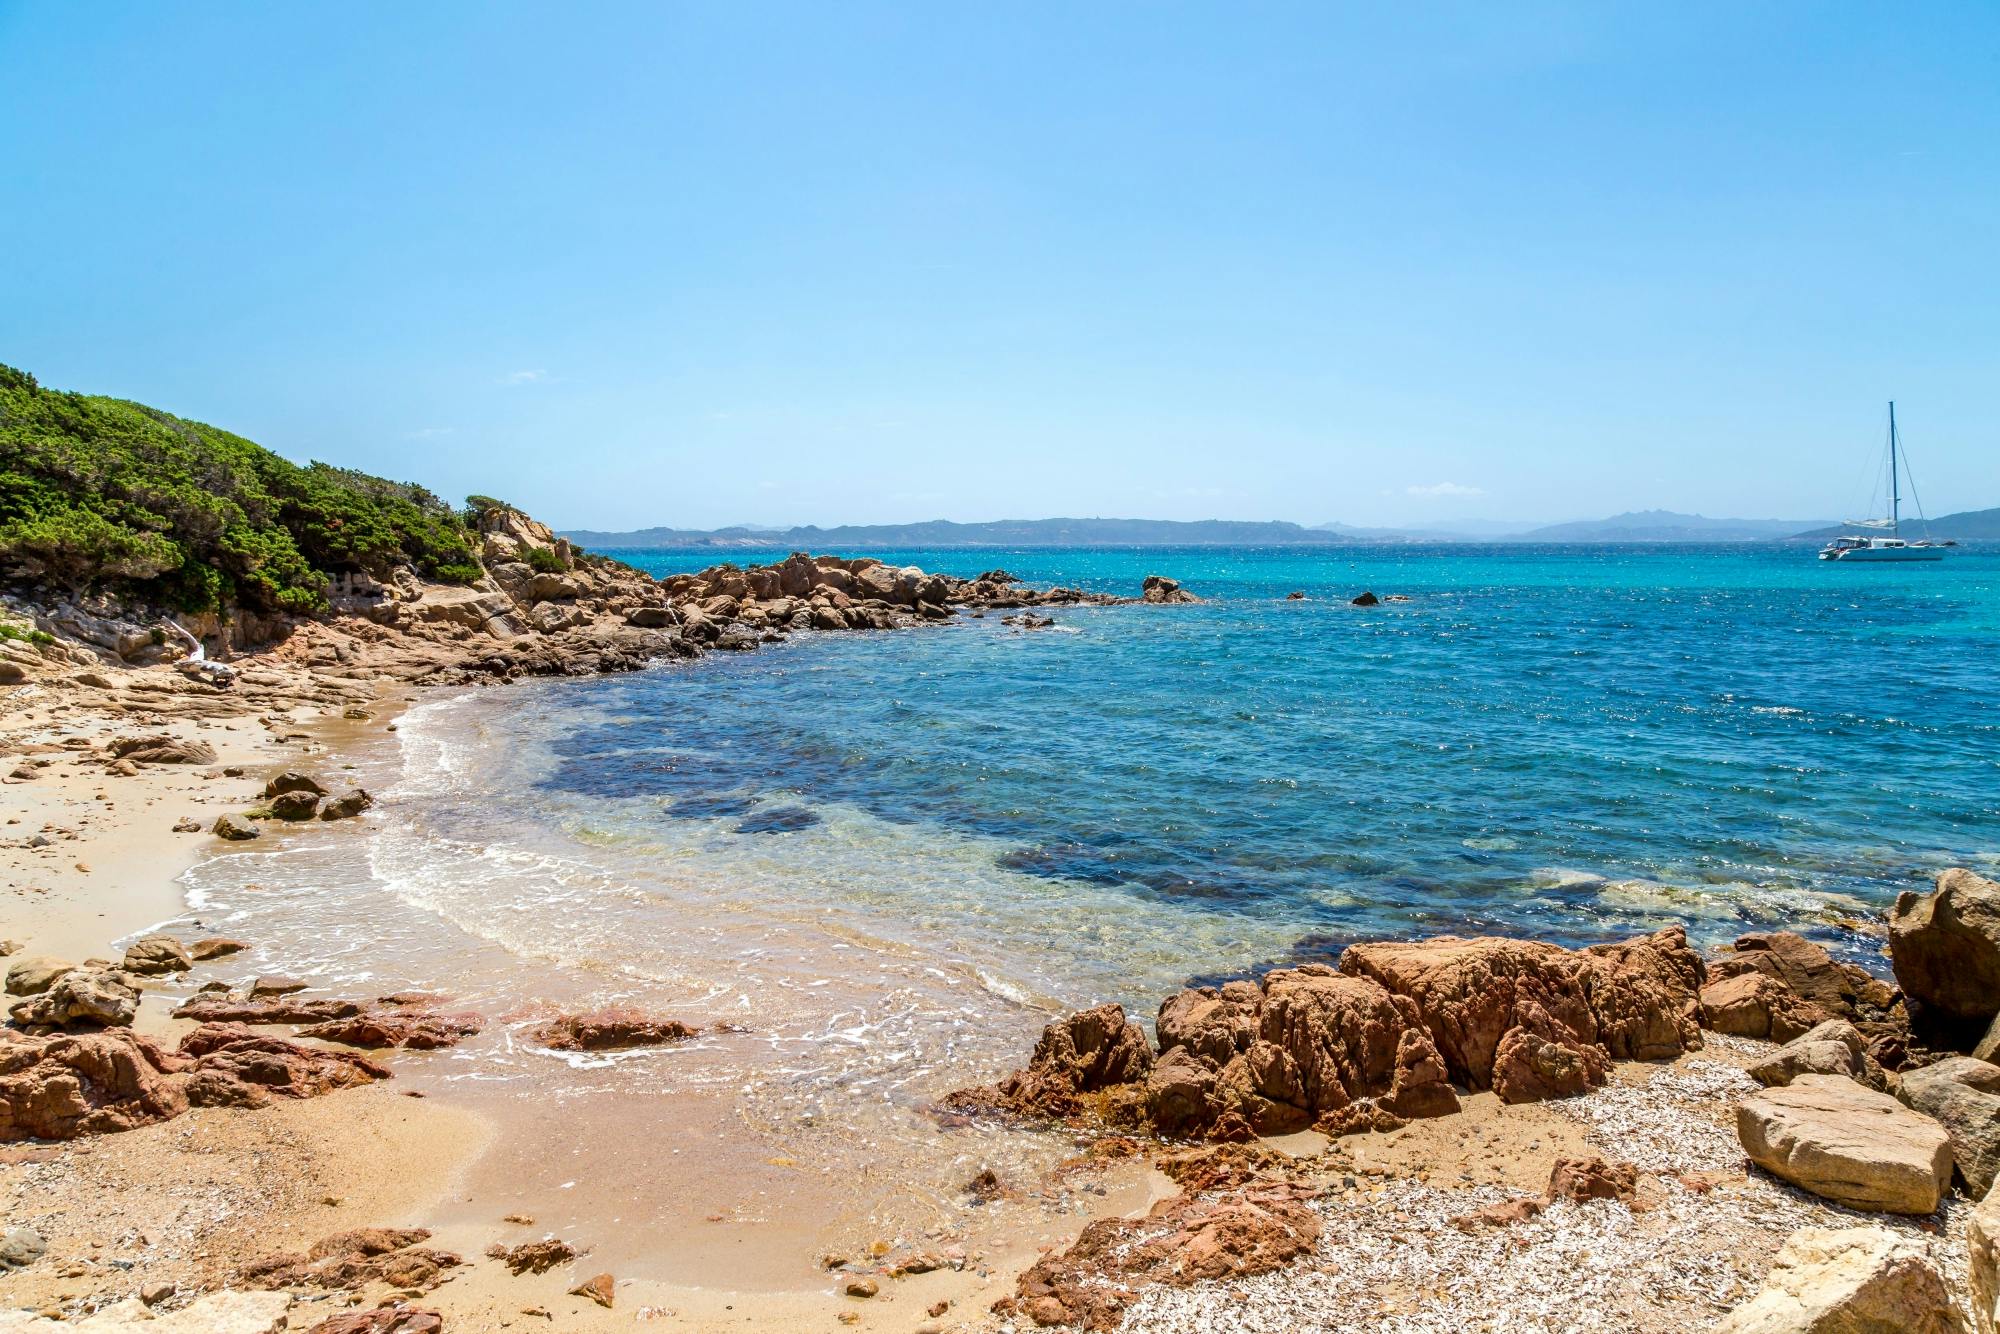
1751, 735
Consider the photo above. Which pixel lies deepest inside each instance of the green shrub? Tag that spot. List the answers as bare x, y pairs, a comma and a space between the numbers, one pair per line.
97, 491
543, 559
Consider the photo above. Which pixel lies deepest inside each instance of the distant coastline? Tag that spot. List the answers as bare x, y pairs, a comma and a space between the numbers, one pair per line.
1649, 526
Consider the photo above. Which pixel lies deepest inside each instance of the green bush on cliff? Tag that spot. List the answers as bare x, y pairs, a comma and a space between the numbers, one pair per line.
97, 491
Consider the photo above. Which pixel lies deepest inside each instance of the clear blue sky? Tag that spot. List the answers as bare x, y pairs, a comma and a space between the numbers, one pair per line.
698, 264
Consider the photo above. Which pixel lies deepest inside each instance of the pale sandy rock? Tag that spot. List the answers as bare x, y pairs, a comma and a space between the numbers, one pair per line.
1829, 1135
1984, 1239
1962, 1095
1835, 1047
226, 1312
1861, 1280
35, 974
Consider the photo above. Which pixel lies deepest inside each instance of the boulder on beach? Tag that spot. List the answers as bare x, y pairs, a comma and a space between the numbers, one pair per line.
34, 974
1835, 1047
1983, 1239
1962, 1095
81, 998
1945, 948
1848, 1281
155, 955
1848, 1144
393, 1318
1757, 1005
235, 829
162, 750
1840, 990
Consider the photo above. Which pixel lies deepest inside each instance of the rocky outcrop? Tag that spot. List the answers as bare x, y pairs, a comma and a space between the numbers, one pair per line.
1189, 1238
1531, 1020
1851, 1145
80, 998
410, 1027
1755, 1005
614, 1028
1835, 1047
1090, 1052
221, 1007
1160, 589
1831, 1281
1306, 1046
85, 1084
162, 750
34, 974
1371, 1045
1962, 1095
1945, 948
95, 1083
354, 1259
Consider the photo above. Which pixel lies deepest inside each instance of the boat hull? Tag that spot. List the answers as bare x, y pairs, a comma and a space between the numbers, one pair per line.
1881, 554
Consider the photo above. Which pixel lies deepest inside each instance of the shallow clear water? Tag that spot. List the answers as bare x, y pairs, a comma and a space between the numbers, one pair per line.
1754, 734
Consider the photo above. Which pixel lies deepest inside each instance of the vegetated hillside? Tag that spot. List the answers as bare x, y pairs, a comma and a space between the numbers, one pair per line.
1002, 533
1965, 526
97, 492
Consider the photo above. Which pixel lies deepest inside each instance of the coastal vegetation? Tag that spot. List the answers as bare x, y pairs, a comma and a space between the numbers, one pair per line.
100, 492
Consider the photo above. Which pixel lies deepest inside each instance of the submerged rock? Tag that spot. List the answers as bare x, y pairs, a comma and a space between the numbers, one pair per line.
615, 1028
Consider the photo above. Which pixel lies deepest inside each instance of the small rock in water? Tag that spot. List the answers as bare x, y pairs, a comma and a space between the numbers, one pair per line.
1365, 600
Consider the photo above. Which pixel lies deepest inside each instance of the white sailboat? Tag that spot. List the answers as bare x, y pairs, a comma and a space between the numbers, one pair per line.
1891, 547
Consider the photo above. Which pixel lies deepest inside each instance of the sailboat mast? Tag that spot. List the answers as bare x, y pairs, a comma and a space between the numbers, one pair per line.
1895, 484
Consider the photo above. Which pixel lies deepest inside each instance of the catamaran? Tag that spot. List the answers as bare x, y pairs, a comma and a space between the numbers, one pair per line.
1892, 547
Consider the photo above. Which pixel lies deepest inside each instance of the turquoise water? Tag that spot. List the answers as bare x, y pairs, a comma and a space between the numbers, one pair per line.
1570, 742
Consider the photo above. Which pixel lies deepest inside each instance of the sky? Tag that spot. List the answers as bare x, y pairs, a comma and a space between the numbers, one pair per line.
701, 264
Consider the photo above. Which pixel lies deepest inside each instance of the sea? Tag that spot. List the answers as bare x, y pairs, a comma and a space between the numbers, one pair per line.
873, 864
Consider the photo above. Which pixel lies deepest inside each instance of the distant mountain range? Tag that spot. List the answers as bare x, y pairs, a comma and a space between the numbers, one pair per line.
1638, 526
1002, 533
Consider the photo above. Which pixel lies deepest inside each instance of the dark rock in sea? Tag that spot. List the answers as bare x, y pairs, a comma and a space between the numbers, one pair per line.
1295, 596
1160, 589
783, 820
293, 781
297, 805
345, 805
1028, 620
1365, 600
